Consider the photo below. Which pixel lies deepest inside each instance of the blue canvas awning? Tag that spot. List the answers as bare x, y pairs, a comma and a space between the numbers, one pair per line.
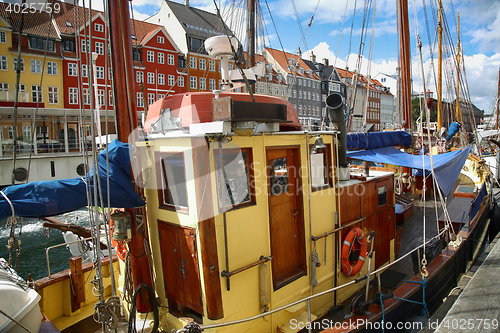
55, 197
371, 140
447, 166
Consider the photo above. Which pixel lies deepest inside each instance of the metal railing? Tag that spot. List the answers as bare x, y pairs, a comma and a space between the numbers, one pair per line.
59, 245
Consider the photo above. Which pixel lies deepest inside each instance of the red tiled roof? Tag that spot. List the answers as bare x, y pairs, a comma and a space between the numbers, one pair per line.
282, 57
37, 24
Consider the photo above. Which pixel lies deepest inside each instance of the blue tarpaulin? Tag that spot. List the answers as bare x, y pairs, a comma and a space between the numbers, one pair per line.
373, 140
446, 166
49, 198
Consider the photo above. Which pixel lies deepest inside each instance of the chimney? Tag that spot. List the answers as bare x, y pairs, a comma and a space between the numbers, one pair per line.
325, 62
186, 3
313, 57
299, 54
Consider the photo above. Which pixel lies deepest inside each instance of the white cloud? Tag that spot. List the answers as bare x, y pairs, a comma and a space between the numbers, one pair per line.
488, 37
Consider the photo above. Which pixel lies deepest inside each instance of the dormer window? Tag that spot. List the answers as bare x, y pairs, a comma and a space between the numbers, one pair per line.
270, 76
301, 70
291, 61
309, 72
280, 77
68, 24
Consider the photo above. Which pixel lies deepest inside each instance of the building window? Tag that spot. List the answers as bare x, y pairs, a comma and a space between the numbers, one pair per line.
100, 96
203, 64
99, 48
276, 91
181, 62
73, 95
51, 68
171, 80
27, 133
161, 58
282, 91
160, 40
72, 69
36, 94
85, 45
161, 79
4, 86
172, 189
261, 89
151, 78
3, 37
111, 99
211, 65
39, 43
136, 55
151, 56
86, 96
15, 64
211, 84
170, 59
193, 82
98, 27
53, 95
99, 72
139, 76
151, 99
192, 62
68, 45
36, 66
140, 100
180, 81
203, 83
84, 71
3, 63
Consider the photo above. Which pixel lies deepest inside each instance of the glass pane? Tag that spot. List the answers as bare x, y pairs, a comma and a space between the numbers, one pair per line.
382, 195
278, 175
237, 189
174, 180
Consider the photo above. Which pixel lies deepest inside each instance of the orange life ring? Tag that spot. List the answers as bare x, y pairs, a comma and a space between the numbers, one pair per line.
354, 234
120, 248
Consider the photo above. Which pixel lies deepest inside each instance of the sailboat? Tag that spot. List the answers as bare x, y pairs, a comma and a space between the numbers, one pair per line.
236, 218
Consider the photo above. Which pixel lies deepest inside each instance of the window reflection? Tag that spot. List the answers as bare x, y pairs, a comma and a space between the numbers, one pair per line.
279, 176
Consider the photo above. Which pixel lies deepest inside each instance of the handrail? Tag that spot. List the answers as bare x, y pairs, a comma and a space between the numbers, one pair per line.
261, 260
59, 245
328, 233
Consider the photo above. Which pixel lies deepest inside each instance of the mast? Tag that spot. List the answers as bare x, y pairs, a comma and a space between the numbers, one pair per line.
440, 68
498, 98
126, 119
457, 101
404, 44
251, 36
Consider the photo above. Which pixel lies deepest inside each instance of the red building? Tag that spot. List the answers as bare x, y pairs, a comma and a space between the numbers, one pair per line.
156, 73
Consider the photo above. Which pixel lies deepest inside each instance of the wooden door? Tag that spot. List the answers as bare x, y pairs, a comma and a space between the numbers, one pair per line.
286, 216
180, 265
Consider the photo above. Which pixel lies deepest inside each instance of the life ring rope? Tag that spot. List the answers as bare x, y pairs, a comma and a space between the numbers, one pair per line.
355, 234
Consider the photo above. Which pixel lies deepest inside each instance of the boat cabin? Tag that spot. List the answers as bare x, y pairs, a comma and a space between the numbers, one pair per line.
243, 224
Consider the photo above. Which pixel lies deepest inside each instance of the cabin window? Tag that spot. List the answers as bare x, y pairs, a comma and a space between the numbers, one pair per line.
382, 195
279, 176
238, 191
172, 189
321, 167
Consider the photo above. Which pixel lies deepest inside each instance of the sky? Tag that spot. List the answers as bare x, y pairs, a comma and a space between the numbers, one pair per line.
325, 26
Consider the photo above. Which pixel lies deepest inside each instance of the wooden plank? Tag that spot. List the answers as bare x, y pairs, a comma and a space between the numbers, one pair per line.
206, 226
77, 283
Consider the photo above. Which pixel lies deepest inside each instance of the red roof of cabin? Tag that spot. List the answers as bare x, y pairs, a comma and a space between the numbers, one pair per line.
196, 107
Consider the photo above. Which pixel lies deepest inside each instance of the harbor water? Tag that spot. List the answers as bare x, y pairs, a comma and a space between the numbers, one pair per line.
35, 239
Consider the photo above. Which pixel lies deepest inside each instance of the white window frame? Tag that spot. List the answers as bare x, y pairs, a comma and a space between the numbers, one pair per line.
99, 48
53, 95
180, 81
72, 69
36, 94
151, 78
99, 72
203, 64
160, 39
86, 96
35, 66
192, 62
170, 59
203, 83
211, 65
73, 95
161, 57
171, 80
211, 84
193, 82
3, 37
100, 96
15, 64
150, 56
4, 64
85, 72
139, 77
161, 79
52, 68
98, 27
151, 98
140, 100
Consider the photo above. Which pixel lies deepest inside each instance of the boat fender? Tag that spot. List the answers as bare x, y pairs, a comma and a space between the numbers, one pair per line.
355, 234
264, 288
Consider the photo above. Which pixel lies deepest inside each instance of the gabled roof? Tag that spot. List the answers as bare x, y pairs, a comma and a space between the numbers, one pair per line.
282, 57
197, 22
71, 17
36, 24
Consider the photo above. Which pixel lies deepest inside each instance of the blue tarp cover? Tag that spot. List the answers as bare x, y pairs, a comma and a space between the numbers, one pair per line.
49, 198
373, 140
447, 166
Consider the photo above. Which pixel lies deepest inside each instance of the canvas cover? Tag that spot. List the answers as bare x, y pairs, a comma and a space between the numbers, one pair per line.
55, 197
